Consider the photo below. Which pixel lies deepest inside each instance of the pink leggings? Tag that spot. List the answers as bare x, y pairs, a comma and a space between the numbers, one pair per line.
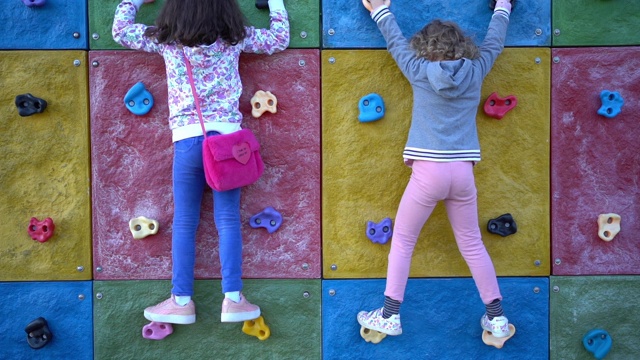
431, 182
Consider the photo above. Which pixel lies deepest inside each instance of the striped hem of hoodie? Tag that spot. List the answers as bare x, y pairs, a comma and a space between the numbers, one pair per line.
380, 13
441, 155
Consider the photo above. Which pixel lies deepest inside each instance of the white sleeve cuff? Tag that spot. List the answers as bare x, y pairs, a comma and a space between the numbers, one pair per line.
137, 3
380, 13
275, 5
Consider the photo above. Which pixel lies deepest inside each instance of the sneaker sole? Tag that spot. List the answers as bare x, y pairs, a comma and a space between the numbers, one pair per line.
238, 317
384, 331
171, 319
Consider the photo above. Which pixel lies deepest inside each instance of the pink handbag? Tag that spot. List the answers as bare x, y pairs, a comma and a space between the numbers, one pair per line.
231, 160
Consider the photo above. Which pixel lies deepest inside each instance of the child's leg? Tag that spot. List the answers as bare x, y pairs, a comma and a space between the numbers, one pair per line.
188, 186
462, 209
226, 213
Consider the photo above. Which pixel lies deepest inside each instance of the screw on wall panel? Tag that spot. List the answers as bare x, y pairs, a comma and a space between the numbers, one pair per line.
76, 63
556, 59
95, 36
302, 63
331, 32
99, 296
556, 32
538, 60
303, 34
556, 289
558, 261
334, 267
332, 292
537, 263
538, 32
80, 268
305, 266
76, 35
536, 290
306, 295
99, 269
95, 63
81, 297
332, 60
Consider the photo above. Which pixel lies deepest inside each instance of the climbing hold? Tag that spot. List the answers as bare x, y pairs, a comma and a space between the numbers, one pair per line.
262, 4
497, 342
367, 4
256, 328
138, 99
379, 232
32, 3
612, 103
608, 226
497, 107
492, 4
157, 330
503, 225
41, 230
28, 104
263, 101
141, 227
371, 108
598, 342
372, 336
38, 333
269, 218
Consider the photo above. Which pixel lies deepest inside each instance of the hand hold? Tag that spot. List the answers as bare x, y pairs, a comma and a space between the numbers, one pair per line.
268, 218
28, 105
368, 6
41, 230
497, 107
157, 330
257, 328
262, 4
608, 226
612, 103
138, 99
38, 333
503, 225
263, 101
492, 4
34, 3
371, 108
141, 227
381, 232
598, 342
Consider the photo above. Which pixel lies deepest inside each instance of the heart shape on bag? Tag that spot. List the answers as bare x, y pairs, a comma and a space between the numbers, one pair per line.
242, 152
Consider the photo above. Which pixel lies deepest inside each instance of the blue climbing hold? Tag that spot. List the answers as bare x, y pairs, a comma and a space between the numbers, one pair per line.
611, 103
381, 232
138, 99
268, 218
371, 108
598, 342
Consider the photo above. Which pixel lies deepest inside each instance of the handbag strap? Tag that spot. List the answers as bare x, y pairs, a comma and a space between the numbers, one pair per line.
193, 89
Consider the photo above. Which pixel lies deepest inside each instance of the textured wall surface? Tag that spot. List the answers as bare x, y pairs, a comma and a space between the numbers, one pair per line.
364, 176
67, 308
132, 157
44, 171
440, 320
345, 24
580, 304
303, 18
290, 308
595, 167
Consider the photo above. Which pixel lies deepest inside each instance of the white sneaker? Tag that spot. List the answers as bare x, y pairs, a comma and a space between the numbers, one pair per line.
498, 327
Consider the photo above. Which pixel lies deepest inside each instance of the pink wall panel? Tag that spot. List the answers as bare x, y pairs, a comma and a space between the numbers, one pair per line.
595, 161
131, 170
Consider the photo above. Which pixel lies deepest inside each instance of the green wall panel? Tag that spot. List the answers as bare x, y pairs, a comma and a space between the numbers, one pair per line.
364, 175
44, 170
595, 22
291, 309
581, 304
304, 20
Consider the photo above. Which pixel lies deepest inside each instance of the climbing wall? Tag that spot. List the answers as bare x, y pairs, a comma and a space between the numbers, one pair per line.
78, 169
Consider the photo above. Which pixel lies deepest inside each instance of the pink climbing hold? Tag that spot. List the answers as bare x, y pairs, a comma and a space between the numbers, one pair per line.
157, 330
497, 107
41, 230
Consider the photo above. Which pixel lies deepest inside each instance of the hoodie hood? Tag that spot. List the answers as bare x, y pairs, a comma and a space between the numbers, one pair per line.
450, 79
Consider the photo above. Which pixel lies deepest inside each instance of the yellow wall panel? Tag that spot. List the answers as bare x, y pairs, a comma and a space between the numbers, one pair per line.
364, 175
44, 171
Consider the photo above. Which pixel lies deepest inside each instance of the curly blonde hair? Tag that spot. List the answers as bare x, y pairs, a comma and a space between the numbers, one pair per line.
439, 41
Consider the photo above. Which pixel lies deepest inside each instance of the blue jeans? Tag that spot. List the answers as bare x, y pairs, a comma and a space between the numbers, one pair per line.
188, 187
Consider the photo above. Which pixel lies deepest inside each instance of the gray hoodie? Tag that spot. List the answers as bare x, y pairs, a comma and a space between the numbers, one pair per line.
446, 94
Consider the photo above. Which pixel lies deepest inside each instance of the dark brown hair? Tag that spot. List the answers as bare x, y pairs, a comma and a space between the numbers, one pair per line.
198, 22
439, 41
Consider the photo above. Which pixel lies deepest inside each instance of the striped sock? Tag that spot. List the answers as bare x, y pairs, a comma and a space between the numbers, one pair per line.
391, 307
494, 309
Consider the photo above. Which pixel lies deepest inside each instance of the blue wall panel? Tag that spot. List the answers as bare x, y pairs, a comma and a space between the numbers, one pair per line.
347, 24
67, 307
58, 24
440, 320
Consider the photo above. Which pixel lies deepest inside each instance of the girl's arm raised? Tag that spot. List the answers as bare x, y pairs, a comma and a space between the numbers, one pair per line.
274, 39
129, 34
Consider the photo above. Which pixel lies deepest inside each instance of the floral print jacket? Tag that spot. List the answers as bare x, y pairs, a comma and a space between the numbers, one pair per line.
215, 71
